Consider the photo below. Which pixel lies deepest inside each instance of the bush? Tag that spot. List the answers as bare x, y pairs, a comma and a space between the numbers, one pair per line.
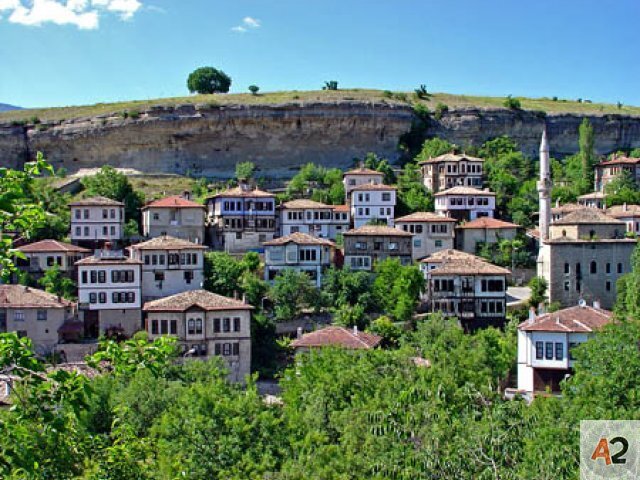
422, 93
387, 94
512, 103
441, 109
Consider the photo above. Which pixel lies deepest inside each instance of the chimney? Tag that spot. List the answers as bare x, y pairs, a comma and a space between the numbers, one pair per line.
624, 207
299, 332
541, 309
186, 195
355, 330
532, 315
557, 203
596, 304
557, 320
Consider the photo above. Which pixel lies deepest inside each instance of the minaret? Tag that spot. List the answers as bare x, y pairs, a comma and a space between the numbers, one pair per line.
544, 188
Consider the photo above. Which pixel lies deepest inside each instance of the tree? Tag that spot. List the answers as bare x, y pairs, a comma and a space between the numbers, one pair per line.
628, 288
512, 103
390, 332
206, 80
412, 194
538, 286
422, 93
292, 292
587, 154
245, 170
372, 161
222, 273
397, 288
254, 89
110, 183
621, 190
330, 85
56, 283
434, 147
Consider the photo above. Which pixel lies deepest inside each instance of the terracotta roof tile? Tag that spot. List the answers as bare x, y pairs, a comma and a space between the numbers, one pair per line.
19, 296
304, 203
243, 192
340, 208
363, 171
195, 298
623, 211
455, 262
451, 157
97, 202
424, 217
619, 161
167, 242
460, 190
337, 337
587, 216
570, 320
300, 239
101, 258
593, 195
380, 230
372, 186
52, 246
488, 222
566, 208
175, 201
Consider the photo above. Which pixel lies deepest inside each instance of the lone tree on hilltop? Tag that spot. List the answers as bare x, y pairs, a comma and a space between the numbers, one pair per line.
208, 80
254, 89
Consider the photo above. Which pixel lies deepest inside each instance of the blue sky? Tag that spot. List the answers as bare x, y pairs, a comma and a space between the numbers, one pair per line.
68, 52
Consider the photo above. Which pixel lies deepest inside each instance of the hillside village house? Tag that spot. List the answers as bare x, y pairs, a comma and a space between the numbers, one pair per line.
169, 265
45, 254
35, 314
335, 336
371, 243
629, 214
370, 202
593, 200
109, 292
607, 171
462, 285
451, 170
546, 341
175, 216
205, 324
471, 236
301, 252
431, 232
465, 203
360, 176
341, 220
241, 219
306, 216
584, 256
96, 220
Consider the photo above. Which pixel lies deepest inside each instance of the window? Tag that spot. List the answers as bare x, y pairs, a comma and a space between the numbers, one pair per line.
173, 327
102, 297
548, 350
567, 268
216, 325
226, 349
105, 230
559, 351
608, 286
218, 349
438, 243
188, 276
159, 276
156, 216
566, 285
417, 243
539, 350
112, 213
572, 346
608, 268
86, 231
308, 255
154, 327
377, 245
593, 268
386, 197
78, 232
226, 324
42, 315
93, 298
236, 349
164, 327
84, 276
102, 276
78, 214
393, 246
236, 324
86, 213
191, 326
105, 213
619, 268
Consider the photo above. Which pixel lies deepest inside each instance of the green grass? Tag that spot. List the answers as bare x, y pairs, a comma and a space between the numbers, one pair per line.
132, 108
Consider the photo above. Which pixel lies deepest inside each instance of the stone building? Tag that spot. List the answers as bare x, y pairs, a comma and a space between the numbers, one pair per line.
451, 170
96, 220
431, 232
546, 343
373, 203
471, 236
42, 255
465, 203
365, 245
169, 265
559, 211
360, 176
629, 214
175, 216
607, 171
205, 324
241, 219
35, 314
462, 285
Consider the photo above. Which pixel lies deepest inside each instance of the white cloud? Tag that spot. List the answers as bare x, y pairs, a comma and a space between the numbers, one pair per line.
84, 14
247, 23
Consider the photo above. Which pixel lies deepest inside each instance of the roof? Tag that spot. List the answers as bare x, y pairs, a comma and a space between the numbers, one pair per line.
334, 336
377, 230
623, 211
570, 320
488, 222
373, 186
300, 239
44, 246
566, 208
460, 190
167, 242
103, 258
619, 161
97, 201
455, 262
587, 216
594, 195
340, 208
304, 203
195, 299
424, 217
174, 201
451, 157
19, 296
363, 171
243, 192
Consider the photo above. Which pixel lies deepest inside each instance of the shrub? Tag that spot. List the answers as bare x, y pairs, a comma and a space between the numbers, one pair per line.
330, 85
401, 96
441, 109
422, 93
134, 114
387, 94
512, 103
35, 120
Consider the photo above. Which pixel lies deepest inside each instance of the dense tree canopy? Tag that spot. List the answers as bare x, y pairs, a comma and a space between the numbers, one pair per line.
208, 80
110, 183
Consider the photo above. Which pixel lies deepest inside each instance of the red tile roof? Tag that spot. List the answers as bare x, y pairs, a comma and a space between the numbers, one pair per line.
372, 186
377, 230
587, 216
304, 203
195, 298
300, 239
167, 242
488, 222
570, 320
243, 192
337, 337
451, 157
340, 208
456, 262
460, 190
96, 202
44, 246
624, 211
417, 217
19, 296
363, 171
619, 161
175, 201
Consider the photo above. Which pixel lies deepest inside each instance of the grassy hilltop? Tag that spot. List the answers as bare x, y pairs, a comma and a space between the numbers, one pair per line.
269, 98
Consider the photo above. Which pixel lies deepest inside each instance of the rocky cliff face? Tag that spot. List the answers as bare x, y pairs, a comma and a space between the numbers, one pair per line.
208, 140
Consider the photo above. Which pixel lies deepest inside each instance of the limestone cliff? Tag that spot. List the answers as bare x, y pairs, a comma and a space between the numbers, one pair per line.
209, 140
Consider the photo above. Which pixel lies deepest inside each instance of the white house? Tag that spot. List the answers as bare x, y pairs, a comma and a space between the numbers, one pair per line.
301, 252
593, 200
306, 216
176, 216
206, 324
109, 292
465, 203
371, 202
629, 214
545, 343
360, 176
169, 265
341, 220
96, 220
431, 232
42, 255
